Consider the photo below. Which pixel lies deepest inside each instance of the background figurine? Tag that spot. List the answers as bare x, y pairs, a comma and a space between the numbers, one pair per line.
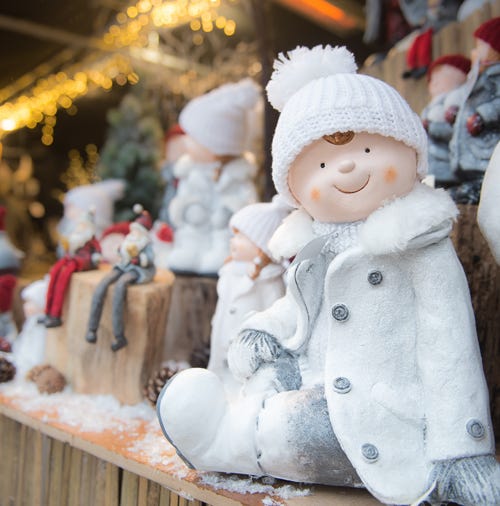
446, 75
378, 375
28, 349
476, 127
215, 177
250, 280
488, 215
136, 266
10, 263
419, 55
82, 253
174, 149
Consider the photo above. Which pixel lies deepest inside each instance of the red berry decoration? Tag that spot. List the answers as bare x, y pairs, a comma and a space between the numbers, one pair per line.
475, 124
5, 345
451, 114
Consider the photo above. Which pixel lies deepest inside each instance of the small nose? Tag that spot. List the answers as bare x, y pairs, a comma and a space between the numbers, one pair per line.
346, 166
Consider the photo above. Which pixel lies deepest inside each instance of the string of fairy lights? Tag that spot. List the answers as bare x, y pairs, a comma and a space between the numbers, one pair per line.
28, 106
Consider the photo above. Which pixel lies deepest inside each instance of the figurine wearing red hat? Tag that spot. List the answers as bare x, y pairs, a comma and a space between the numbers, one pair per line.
9, 267
83, 253
136, 265
476, 129
445, 77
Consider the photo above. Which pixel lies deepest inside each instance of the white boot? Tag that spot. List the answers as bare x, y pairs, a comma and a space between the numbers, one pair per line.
208, 432
187, 249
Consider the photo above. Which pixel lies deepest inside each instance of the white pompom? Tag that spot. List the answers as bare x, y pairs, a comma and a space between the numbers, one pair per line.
138, 208
303, 65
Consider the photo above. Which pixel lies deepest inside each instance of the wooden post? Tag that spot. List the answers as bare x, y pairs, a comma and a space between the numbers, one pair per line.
95, 368
189, 324
483, 275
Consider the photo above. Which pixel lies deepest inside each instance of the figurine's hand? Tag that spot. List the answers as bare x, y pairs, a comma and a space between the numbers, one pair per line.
451, 114
475, 124
96, 258
143, 260
469, 481
64, 244
249, 350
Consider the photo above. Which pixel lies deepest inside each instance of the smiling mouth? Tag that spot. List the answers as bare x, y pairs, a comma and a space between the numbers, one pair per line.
354, 191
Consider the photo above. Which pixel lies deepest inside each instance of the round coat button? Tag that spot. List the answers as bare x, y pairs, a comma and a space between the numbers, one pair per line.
369, 452
375, 278
340, 312
342, 385
475, 429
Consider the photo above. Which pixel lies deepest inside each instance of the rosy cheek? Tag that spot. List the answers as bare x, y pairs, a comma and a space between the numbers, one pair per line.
390, 175
315, 194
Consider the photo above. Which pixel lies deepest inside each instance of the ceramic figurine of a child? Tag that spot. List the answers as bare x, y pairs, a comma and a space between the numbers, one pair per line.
136, 266
476, 127
488, 215
82, 252
378, 374
445, 77
215, 176
250, 280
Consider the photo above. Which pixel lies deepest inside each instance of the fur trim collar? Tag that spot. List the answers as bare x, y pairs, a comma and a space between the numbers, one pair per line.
423, 216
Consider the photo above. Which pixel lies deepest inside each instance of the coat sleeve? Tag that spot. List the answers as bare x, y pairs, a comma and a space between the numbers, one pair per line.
455, 396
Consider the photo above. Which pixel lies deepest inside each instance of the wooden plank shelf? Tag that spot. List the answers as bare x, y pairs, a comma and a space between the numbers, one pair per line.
46, 462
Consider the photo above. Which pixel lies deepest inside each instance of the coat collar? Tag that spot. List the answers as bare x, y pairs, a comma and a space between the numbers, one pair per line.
420, 218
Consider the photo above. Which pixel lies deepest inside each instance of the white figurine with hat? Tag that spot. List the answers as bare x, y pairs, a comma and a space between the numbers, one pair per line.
82, 252
250, 280
136, 265
215, 176
378, 374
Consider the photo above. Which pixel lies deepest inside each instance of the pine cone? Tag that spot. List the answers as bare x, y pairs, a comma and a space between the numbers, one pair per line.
155, 384
47, 379
200, 355
7, 370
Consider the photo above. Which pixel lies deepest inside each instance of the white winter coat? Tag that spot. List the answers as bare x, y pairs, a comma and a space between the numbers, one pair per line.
238, 295
402, 370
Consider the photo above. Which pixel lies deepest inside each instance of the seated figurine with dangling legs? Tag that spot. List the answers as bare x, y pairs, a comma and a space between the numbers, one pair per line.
374, 348
136, 265
250, 279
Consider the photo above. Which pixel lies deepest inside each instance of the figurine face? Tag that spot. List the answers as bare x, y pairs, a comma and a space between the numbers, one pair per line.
197, 152
483, 53
445, 78
175, 147
346, 183
242, 248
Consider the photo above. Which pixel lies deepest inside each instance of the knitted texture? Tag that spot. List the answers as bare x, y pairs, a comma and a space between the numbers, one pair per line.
259, 221
221, 119
489, 32
338, 102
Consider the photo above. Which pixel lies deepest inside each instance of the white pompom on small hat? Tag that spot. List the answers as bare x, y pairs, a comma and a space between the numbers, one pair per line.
318, 92
259, 221
220, 119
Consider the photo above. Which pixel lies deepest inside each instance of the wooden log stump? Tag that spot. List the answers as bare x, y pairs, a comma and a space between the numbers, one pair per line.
483, 275
95, 368
189, 324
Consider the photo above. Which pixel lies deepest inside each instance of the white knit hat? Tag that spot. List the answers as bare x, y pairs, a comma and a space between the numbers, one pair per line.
259, 221
318, 93
220, 120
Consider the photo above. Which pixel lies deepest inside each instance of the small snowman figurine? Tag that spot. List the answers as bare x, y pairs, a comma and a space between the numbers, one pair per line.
445, 75
250, 280
377, 372
215, 176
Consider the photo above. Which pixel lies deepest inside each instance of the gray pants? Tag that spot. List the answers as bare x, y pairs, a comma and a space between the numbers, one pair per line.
123, 279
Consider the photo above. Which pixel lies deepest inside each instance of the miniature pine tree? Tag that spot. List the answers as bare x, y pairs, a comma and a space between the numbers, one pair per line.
132, 152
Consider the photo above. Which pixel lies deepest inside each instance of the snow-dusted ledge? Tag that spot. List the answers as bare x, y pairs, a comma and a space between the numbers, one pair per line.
129, 438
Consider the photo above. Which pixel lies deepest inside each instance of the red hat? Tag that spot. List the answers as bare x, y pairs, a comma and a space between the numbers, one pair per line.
165, 233
458, 61
174, 131
7, 285
122, 227
143, 219
489, 31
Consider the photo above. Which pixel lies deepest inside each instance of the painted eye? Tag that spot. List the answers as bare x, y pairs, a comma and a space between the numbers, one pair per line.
367, 150
322, 165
